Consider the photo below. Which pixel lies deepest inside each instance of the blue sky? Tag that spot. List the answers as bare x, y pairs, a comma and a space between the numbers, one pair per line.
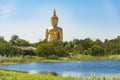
79, 18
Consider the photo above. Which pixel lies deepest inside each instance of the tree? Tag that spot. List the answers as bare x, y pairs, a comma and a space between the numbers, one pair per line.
76, 41
96, 50
7, 50
14, 40
112, 46
22, 42
14, 51
49, 49
3, 47
87, 43
98, 42
45, 50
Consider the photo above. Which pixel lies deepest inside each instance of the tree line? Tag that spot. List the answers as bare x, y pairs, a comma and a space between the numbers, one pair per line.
60, 49
87, 46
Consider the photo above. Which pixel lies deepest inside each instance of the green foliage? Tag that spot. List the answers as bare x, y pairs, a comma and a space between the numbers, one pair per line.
50, 50
45, 50
22, 42
4, 46
112, 46
96, 51
55, 49
7, 50
87, 43
15, 41
88, 47
14, 51
11, 60
94, 48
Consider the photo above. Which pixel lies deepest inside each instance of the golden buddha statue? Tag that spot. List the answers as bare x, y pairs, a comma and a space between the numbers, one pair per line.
54, 33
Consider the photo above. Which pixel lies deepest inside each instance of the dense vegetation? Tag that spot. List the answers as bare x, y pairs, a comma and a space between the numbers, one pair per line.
9, 51
53, 50
14, 51
13, 75
88, 47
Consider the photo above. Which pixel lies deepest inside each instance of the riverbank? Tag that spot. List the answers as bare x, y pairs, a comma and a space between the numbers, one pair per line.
27, 59
15, 75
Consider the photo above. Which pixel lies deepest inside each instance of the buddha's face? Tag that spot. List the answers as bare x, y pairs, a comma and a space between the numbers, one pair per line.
54, 22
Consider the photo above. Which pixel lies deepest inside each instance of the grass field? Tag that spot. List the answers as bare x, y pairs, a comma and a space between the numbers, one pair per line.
27, 59
14, 75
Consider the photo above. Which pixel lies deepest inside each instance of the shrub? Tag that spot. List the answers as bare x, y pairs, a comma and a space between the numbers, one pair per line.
53, 73
29, 52
96, 51
7, 50
50, 51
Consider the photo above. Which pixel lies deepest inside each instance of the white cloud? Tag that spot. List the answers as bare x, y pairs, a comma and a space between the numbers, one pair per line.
7, 9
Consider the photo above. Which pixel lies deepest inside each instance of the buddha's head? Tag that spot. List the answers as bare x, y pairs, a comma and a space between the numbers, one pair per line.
54, 20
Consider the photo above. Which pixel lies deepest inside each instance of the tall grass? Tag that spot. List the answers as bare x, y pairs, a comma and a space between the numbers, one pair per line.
26, 59
20, 59
88, 57
7, 60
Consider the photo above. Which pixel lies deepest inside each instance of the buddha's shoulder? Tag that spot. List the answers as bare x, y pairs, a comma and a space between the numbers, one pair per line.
59, 28
49, 28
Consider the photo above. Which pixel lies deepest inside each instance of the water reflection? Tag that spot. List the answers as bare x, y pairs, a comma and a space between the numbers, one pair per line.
33, 72
37, 72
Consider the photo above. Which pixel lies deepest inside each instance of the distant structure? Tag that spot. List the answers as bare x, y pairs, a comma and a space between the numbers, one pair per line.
54, 33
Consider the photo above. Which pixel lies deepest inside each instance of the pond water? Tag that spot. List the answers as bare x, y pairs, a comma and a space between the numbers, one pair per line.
75, 69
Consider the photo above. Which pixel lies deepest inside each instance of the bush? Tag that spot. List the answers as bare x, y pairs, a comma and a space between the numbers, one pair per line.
14, 51
44, 50
29, 52
50, 51
53, 74
7, 50
96, 51
60, 52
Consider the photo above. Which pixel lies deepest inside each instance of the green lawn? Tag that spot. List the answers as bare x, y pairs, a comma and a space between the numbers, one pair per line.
14, 75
